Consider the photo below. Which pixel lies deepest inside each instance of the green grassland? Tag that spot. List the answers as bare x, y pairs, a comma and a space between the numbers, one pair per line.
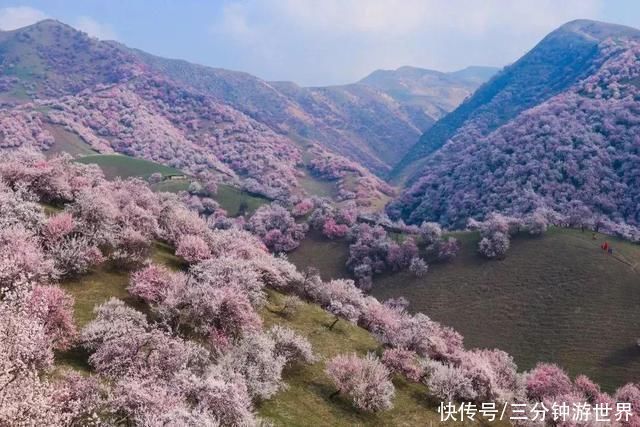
328, 256
171, 185
97, 287
234, 201
307, 402
108, 281
556, 298
237, 202
117, 165
318, 187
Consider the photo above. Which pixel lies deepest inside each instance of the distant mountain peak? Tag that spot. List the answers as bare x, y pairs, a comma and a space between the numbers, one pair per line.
556, 129
597, 30
403, 71
559, 60
45, 24
476, 73
472, 73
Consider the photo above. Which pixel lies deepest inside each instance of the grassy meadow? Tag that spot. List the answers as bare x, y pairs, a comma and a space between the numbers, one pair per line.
328, 256
306, 399
118, 165
67, 142
556, 298
318, 187
237, 202
97, 287
234, 201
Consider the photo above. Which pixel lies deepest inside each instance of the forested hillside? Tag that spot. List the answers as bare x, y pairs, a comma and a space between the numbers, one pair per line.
59, 84
561, 59
575, 152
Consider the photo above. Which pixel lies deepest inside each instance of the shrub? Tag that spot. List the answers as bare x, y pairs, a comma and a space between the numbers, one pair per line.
547, 380
192, 249
418, 267
403, 362
53, 307
448, 382
364, 380
293, 347
277, 228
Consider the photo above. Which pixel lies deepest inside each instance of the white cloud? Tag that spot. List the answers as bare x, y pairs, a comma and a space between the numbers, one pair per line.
408, 16
95, 28
333, 41
21, 16
234, 22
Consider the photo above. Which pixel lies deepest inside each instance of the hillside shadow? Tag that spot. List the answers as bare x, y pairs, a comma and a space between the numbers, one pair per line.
623, 356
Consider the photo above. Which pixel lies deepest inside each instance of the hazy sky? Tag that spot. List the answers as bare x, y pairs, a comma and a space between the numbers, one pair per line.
320, 42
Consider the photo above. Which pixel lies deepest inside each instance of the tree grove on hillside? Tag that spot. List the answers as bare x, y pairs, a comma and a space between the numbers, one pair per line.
200, 355
576, 152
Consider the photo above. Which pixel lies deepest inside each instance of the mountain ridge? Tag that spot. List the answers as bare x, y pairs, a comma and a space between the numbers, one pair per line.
559, 60
305, 111
268, 126
573, 150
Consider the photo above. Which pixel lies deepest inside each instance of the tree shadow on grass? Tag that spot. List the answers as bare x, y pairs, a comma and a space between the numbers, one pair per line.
76, 357
340, 404
623, 356
417, 393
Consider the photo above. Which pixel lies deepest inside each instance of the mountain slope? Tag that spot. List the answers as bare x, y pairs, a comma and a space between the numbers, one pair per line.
58, 82
428, 94
221, 125
540, 275
366, 121
355, 120
561, 59
576, 152
475, 74
52, 59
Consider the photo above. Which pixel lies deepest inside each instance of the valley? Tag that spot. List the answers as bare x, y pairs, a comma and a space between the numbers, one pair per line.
307, 397
186, 245
532, 304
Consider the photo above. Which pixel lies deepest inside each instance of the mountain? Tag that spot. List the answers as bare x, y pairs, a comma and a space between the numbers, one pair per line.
368, 122
475, 74
560, 60
57, 83
428, 94
51, 59
557, 129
